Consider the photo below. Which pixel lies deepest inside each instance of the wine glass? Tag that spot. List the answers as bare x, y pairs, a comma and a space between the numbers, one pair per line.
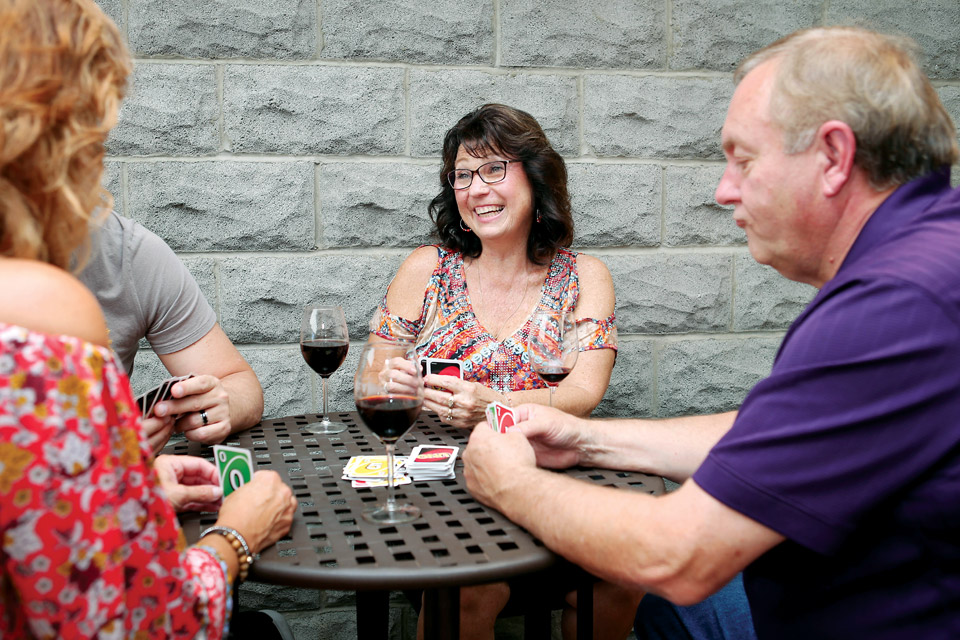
388, 390
324, 342
553, 346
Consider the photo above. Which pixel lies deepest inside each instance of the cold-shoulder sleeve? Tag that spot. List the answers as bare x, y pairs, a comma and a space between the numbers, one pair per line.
392, 327
597, 334
90, 544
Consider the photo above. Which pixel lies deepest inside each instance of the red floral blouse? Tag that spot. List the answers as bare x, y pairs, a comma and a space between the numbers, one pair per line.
90, 546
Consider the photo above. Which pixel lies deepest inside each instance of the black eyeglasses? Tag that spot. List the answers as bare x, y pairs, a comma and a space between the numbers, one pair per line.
490, 173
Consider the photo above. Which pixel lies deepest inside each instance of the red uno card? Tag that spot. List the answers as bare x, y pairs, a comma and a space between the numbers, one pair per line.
500, 417
432, 455
439, 366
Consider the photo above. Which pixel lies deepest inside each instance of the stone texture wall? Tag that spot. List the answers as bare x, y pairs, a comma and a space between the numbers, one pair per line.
288, 149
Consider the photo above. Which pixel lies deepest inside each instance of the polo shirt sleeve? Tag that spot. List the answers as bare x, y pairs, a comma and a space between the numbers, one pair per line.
858, 406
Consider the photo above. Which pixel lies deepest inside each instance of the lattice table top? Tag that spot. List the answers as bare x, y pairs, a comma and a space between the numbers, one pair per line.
457, 540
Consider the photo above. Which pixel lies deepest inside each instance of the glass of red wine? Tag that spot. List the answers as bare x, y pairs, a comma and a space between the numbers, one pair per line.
553, 346
324, 342
388, 390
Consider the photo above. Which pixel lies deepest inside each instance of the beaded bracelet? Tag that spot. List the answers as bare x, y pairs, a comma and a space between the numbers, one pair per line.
239, 545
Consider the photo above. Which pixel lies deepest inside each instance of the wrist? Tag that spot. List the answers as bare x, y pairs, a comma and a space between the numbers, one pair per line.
239, 552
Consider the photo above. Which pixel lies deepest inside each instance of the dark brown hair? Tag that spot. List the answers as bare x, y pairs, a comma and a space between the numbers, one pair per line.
516, 135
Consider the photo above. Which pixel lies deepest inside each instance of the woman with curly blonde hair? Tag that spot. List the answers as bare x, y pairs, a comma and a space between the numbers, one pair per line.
90, 545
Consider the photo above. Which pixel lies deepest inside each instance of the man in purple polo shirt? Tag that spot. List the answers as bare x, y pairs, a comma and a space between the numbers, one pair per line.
836, 487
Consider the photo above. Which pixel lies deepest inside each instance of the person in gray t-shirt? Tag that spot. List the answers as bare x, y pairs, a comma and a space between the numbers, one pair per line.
146, 292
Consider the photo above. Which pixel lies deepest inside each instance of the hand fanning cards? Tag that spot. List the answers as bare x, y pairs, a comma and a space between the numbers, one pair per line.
159, 393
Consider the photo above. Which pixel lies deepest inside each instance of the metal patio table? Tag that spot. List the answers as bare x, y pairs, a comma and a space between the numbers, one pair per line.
456, 542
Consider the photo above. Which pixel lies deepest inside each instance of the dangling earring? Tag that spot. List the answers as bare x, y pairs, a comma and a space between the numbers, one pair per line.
539, 219
465, 229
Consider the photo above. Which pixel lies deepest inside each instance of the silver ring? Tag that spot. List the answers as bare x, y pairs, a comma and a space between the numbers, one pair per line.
203, 416
450, 415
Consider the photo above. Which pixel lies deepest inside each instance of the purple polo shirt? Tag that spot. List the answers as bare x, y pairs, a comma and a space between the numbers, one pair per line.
851, 448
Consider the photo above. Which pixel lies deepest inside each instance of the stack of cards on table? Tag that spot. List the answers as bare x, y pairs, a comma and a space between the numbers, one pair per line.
371, 471
159, 393
432, 462
500, 417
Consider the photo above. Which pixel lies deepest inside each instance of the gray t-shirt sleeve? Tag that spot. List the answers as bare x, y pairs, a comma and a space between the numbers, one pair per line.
144, 290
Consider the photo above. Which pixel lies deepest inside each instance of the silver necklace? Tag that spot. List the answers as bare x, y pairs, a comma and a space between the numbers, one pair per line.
526, 289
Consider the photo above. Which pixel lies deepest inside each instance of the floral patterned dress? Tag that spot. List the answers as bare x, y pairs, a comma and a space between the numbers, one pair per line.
448, 328
90, 546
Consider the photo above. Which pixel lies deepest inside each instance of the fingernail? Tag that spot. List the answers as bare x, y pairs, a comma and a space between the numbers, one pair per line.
217, 492
160, 409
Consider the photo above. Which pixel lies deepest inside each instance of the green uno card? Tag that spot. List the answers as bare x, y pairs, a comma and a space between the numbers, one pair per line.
235, 466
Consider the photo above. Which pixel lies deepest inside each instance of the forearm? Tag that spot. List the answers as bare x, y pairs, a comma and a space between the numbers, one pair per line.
246, 399
571, 399
673, 447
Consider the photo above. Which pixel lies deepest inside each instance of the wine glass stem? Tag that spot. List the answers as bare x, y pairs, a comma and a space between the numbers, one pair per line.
324, 418
552, 387
390, 498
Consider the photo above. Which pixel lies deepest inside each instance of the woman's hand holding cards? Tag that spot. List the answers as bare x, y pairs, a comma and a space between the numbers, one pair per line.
460, 403
261, 510
191, 483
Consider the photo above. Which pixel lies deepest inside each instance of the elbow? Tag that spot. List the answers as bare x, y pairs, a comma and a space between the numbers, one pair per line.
682, 581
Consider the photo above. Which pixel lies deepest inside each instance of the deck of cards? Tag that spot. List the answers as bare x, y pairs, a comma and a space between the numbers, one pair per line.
234, 465
432, 462
163, 391
371, 471
500, 417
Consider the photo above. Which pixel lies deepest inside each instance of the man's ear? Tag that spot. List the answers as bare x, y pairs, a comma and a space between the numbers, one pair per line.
836, 149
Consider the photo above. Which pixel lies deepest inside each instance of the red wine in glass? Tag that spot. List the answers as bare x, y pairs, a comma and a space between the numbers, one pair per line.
388, 390
324, 356
324, 342
389, 416
552, 346
553, 375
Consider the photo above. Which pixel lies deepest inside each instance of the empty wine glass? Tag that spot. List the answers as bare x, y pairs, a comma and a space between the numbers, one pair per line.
388, 390
324, 342
553, 346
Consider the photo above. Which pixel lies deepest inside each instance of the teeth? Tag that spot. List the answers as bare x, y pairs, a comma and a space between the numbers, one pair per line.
483, 210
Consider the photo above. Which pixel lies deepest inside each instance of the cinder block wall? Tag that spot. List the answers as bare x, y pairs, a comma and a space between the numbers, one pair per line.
287, 151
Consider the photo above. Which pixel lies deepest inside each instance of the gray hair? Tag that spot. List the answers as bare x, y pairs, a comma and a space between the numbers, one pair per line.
868, 80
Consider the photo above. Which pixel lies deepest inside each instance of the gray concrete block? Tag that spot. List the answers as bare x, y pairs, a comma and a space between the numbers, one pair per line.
313, 109
171, 109
226, 206
284, 29
285, 378
264, 296
701, 376
692, 215
671, 292
654, 116
376, 204
950, 97
932, 23
632, 384
615, 204
113, 9
604, 34
255, 596
718, 34
112, 181
440, 32
763, 299
438, 99
148, 371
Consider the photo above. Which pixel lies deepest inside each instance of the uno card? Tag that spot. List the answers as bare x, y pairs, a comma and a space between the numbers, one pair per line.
441, 367
371, 467
235, 466
148, 399
500, 417
430, 455
423, 366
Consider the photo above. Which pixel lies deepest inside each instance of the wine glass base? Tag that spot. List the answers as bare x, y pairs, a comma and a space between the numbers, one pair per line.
323, 428
400, 513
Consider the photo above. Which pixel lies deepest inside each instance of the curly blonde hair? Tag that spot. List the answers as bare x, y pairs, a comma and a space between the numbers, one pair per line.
63, 72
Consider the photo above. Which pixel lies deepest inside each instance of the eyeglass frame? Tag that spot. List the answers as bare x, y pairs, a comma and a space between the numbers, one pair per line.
476, 173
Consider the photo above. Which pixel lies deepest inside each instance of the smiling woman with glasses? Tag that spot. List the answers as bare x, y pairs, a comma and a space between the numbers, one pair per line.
503, 225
